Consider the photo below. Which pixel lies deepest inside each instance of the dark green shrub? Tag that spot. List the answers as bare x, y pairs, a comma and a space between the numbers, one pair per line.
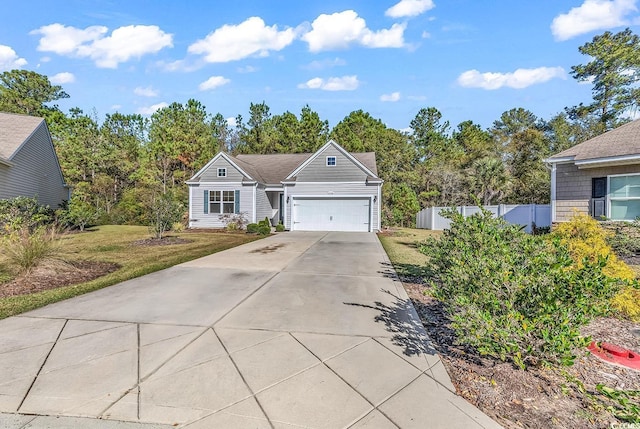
22, 212
264, 230
252, 228
279, 227
265, 222
625, 240
514, 296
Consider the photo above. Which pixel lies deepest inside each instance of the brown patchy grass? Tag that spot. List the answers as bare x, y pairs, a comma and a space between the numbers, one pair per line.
115, 244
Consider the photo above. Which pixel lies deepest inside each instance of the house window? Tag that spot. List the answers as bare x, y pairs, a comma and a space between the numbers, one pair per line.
331, 161
624, 197
222, 202
222, 172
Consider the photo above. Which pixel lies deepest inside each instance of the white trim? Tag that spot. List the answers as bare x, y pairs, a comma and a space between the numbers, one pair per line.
322, 149
629, 159
609, 198
273, 188
553, 192
562, 160
335, 161
7, 163
329, 183
255, 189
214, 159
379, 208
286, 207
191, 205
222, 170
334, 197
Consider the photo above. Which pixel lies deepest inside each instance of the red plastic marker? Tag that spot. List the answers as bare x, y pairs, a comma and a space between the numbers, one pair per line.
615, 355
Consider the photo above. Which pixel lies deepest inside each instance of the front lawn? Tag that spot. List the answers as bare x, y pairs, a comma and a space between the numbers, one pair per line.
126, 246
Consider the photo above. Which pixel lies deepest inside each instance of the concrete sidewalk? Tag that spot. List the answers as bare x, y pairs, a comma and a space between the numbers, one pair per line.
300, 330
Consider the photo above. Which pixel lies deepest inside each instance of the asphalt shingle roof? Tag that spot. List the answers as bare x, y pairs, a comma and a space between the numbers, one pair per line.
621, 141
14, 130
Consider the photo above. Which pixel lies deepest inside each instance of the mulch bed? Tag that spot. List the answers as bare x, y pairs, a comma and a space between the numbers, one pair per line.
535, 398
55, 274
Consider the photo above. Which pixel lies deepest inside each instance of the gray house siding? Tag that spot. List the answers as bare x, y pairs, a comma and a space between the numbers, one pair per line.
197, 216
573, 187
34, 171
344, 170
263, 206
211, 173
337, 190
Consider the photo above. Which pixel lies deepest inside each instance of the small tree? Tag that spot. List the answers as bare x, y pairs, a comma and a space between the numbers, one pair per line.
80, 213
165, 210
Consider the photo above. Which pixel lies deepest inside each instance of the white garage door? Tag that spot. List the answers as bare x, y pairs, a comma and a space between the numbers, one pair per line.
331, 214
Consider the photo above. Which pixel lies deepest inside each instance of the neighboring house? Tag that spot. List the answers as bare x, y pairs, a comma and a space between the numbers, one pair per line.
329, 190
600, 176
29, 165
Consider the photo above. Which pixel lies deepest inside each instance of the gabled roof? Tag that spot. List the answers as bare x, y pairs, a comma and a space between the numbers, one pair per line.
14, 131
618, 146
358, 163
272, 169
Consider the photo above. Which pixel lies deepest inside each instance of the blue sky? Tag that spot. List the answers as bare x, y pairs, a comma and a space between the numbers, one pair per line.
470, 59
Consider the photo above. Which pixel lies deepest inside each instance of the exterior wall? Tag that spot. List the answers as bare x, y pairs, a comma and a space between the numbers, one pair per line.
334, 189
197, 216
211, 173
274, 200
573, 187
263, 206
34, 171
344, 170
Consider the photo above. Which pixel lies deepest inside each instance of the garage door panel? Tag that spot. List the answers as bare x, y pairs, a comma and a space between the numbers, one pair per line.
331, 214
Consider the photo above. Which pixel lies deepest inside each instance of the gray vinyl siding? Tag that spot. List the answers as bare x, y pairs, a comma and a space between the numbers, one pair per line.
211, 173
34, 171
263, 206
200, 219
573, 187
344, 170
333, 189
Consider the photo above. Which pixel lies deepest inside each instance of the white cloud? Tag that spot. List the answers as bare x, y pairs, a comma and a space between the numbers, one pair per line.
323, 64
213, 82
521, 78
64, 77
145, 92
149, 110
409, 8
339, 30
234, 42
231, 121
426, 35
247, 69
9, 60
393, 97
124, 43
116, 107
592, 15
344, 83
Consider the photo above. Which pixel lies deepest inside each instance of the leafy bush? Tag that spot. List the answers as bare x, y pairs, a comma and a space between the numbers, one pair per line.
177, 227
25, 249
279, 227
252, 228
627, 302
22, 212
79, 214
587, 241
165, 211
234, 221
265, 222
514, 296
264, 229
625, 239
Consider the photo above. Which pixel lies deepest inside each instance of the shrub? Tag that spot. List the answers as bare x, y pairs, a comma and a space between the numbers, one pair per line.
177, 227
165, 211
627, 302
252, 228
234, 221
625, 240
279, 227
22, 212
265, 222
25, 249
79, 214
514, 296
587, 241
264, 230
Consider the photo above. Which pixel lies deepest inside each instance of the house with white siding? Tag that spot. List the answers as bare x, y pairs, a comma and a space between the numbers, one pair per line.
29, 165
329, 190
600, 176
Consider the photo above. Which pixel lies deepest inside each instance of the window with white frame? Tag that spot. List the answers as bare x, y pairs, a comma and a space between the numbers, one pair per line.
624, 197
222, 172
222, 202
331, 161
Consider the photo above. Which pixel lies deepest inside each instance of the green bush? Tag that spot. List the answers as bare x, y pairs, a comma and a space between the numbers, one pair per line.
514, 296
625, 240
264, 230
252, 228
22, 212
279, 227
165, 211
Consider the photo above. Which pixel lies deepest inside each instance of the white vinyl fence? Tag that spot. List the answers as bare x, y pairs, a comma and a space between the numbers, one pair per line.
524, 214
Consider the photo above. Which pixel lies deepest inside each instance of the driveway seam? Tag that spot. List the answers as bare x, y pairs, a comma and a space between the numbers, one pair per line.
42, 366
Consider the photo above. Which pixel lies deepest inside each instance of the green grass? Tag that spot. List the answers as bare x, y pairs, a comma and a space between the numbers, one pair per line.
114, 243
402, 248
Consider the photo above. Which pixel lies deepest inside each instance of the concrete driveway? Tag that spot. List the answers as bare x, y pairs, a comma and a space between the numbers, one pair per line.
300, 330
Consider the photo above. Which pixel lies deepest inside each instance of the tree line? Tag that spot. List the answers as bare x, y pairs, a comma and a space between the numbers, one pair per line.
118, 164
